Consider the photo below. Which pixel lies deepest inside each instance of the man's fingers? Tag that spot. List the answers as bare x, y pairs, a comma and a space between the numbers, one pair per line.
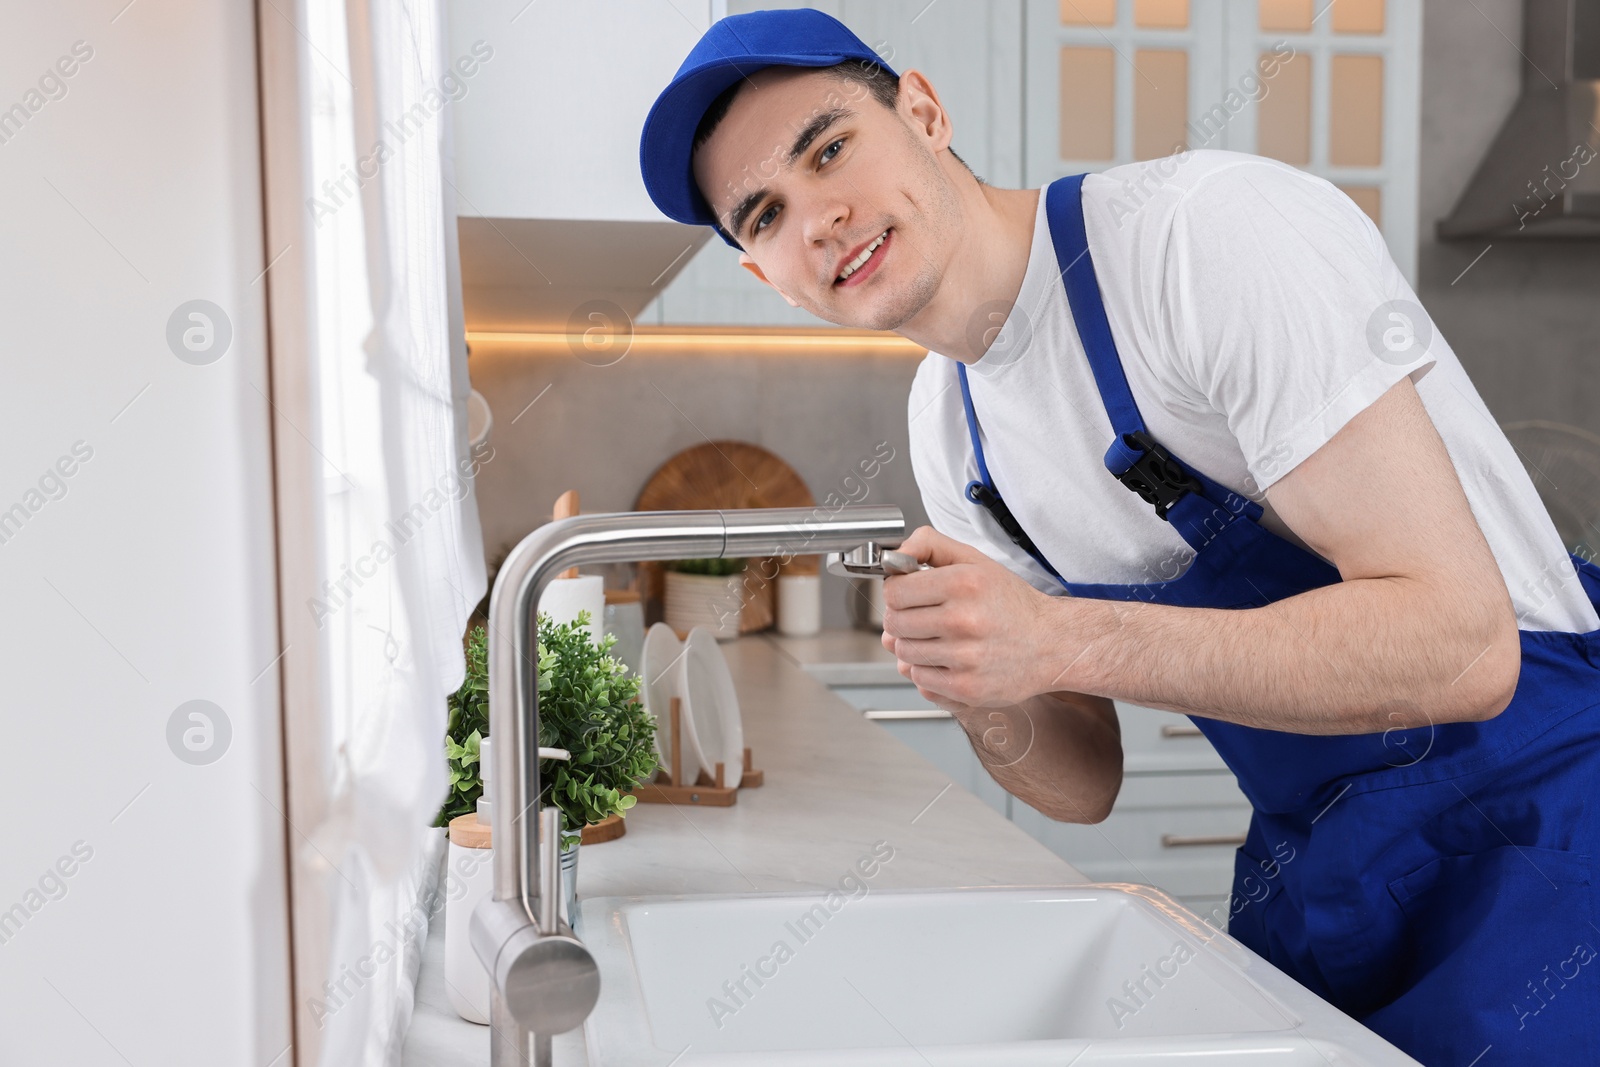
921, 651
919, 622
932, 547
932, 683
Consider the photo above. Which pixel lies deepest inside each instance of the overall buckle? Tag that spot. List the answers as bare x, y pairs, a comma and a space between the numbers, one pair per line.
990, 501
1157, 477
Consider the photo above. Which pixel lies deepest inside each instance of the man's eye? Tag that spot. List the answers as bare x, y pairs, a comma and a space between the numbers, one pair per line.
757, 227
824, 157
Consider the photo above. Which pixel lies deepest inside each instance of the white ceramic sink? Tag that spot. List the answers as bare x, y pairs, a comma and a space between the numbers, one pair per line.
1093, 974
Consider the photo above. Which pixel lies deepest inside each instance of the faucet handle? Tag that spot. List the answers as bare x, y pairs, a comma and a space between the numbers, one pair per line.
872, 560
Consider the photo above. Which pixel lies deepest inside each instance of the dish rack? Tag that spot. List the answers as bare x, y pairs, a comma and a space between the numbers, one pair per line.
705, 790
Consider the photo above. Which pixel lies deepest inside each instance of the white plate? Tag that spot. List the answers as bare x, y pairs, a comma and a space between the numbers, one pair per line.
662, 680
710, 702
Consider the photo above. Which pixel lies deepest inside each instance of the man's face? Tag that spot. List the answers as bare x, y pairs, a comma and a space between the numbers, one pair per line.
862, 170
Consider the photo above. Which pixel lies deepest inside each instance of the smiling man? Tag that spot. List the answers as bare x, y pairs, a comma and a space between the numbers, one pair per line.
1187, 440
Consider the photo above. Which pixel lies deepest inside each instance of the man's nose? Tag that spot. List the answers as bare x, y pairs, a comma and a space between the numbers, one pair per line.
824, 220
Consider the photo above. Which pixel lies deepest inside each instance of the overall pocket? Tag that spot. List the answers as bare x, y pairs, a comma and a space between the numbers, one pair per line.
1500, 959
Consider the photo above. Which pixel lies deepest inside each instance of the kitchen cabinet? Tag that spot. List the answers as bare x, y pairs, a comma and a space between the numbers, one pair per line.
547, 124
1111, 82
1175, 825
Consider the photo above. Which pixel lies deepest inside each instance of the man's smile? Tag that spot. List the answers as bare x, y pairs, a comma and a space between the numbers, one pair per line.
864, 261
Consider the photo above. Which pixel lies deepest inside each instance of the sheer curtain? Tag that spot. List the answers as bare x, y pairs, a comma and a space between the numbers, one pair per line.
401, 547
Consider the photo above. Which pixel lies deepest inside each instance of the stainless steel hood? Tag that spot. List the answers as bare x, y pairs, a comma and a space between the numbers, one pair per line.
1541, 178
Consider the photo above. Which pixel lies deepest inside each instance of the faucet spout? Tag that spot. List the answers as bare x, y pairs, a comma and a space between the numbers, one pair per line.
544, 988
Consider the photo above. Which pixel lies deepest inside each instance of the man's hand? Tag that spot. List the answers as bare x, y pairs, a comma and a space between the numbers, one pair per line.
968, 632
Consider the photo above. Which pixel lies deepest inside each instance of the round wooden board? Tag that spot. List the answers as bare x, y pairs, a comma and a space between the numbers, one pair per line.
723, 475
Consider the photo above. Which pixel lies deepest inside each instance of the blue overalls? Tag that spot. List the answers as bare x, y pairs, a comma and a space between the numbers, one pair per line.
1435, 883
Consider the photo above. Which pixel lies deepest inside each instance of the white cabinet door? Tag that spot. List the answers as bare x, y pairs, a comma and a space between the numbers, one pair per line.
547, 126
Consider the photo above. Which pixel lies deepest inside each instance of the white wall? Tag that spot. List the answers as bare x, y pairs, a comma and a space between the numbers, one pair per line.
149, 580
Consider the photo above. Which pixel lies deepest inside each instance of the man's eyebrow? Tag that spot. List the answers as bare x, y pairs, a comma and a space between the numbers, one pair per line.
811, 131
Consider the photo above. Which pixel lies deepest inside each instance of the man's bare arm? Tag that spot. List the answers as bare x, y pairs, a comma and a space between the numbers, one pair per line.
1059, 752
1421, 629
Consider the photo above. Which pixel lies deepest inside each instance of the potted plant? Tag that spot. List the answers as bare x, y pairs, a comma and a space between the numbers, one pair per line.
704, 592
587, 705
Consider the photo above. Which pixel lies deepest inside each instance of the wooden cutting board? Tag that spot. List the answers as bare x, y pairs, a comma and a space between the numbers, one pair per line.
723, 475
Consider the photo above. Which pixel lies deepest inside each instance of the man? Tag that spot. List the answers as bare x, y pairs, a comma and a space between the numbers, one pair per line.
1330, 557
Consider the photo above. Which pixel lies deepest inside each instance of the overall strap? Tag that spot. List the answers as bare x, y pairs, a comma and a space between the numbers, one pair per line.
1197, 507
1064, 207
1135, 458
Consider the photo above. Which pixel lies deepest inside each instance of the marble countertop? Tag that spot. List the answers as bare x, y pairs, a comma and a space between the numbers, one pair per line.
835, 785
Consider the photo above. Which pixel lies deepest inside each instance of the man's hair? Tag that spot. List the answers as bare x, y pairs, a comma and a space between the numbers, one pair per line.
883, 86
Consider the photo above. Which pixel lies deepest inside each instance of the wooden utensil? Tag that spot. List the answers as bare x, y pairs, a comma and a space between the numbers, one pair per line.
566, 508
724, 475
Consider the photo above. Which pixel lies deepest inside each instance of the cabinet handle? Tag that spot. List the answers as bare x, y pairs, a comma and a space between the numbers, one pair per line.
1190, 841
1180, 731
907, 713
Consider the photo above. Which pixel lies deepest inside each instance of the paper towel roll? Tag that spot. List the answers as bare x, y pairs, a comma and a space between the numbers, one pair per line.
563, 598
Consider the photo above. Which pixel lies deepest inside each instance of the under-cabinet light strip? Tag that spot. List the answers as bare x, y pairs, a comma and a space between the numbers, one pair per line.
716, 340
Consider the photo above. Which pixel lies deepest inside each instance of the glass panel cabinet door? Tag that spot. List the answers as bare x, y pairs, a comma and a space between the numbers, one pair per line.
1332, 88
1114, 81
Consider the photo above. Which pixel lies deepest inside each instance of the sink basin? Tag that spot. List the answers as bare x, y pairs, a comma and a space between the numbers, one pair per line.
1008, 977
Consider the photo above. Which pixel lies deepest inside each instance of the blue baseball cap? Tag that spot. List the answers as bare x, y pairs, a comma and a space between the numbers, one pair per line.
733, 47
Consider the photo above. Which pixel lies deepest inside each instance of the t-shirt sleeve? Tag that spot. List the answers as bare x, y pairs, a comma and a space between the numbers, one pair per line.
1286, 310
938, 485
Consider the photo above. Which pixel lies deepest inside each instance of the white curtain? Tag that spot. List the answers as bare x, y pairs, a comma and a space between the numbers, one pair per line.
402, 549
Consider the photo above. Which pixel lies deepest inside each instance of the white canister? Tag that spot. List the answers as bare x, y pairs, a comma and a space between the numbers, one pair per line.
799, 604
563, 598
469, 878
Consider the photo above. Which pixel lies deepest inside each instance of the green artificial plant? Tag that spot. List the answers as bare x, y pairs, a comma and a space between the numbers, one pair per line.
587, 705
468, 721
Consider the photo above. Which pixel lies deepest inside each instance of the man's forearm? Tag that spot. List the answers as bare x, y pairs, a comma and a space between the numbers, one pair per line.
1060, 753
1359, 656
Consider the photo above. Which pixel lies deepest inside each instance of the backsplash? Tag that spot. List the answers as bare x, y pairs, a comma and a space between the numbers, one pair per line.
833, 412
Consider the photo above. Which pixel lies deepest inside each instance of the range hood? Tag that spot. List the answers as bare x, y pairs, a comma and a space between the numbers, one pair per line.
1541, 178
556, 229
521, 274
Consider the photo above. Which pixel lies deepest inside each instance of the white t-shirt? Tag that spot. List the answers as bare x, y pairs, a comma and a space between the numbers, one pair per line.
1247, 301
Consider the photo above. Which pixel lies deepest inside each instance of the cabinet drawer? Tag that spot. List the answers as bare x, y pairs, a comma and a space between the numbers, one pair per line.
1143, 835
901, 697
1155, 741
1146, 792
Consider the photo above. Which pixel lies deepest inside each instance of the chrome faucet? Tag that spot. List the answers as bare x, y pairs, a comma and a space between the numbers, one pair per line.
543, 980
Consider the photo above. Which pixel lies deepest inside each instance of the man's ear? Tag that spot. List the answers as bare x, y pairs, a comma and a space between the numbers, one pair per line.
750, 265
919, 104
